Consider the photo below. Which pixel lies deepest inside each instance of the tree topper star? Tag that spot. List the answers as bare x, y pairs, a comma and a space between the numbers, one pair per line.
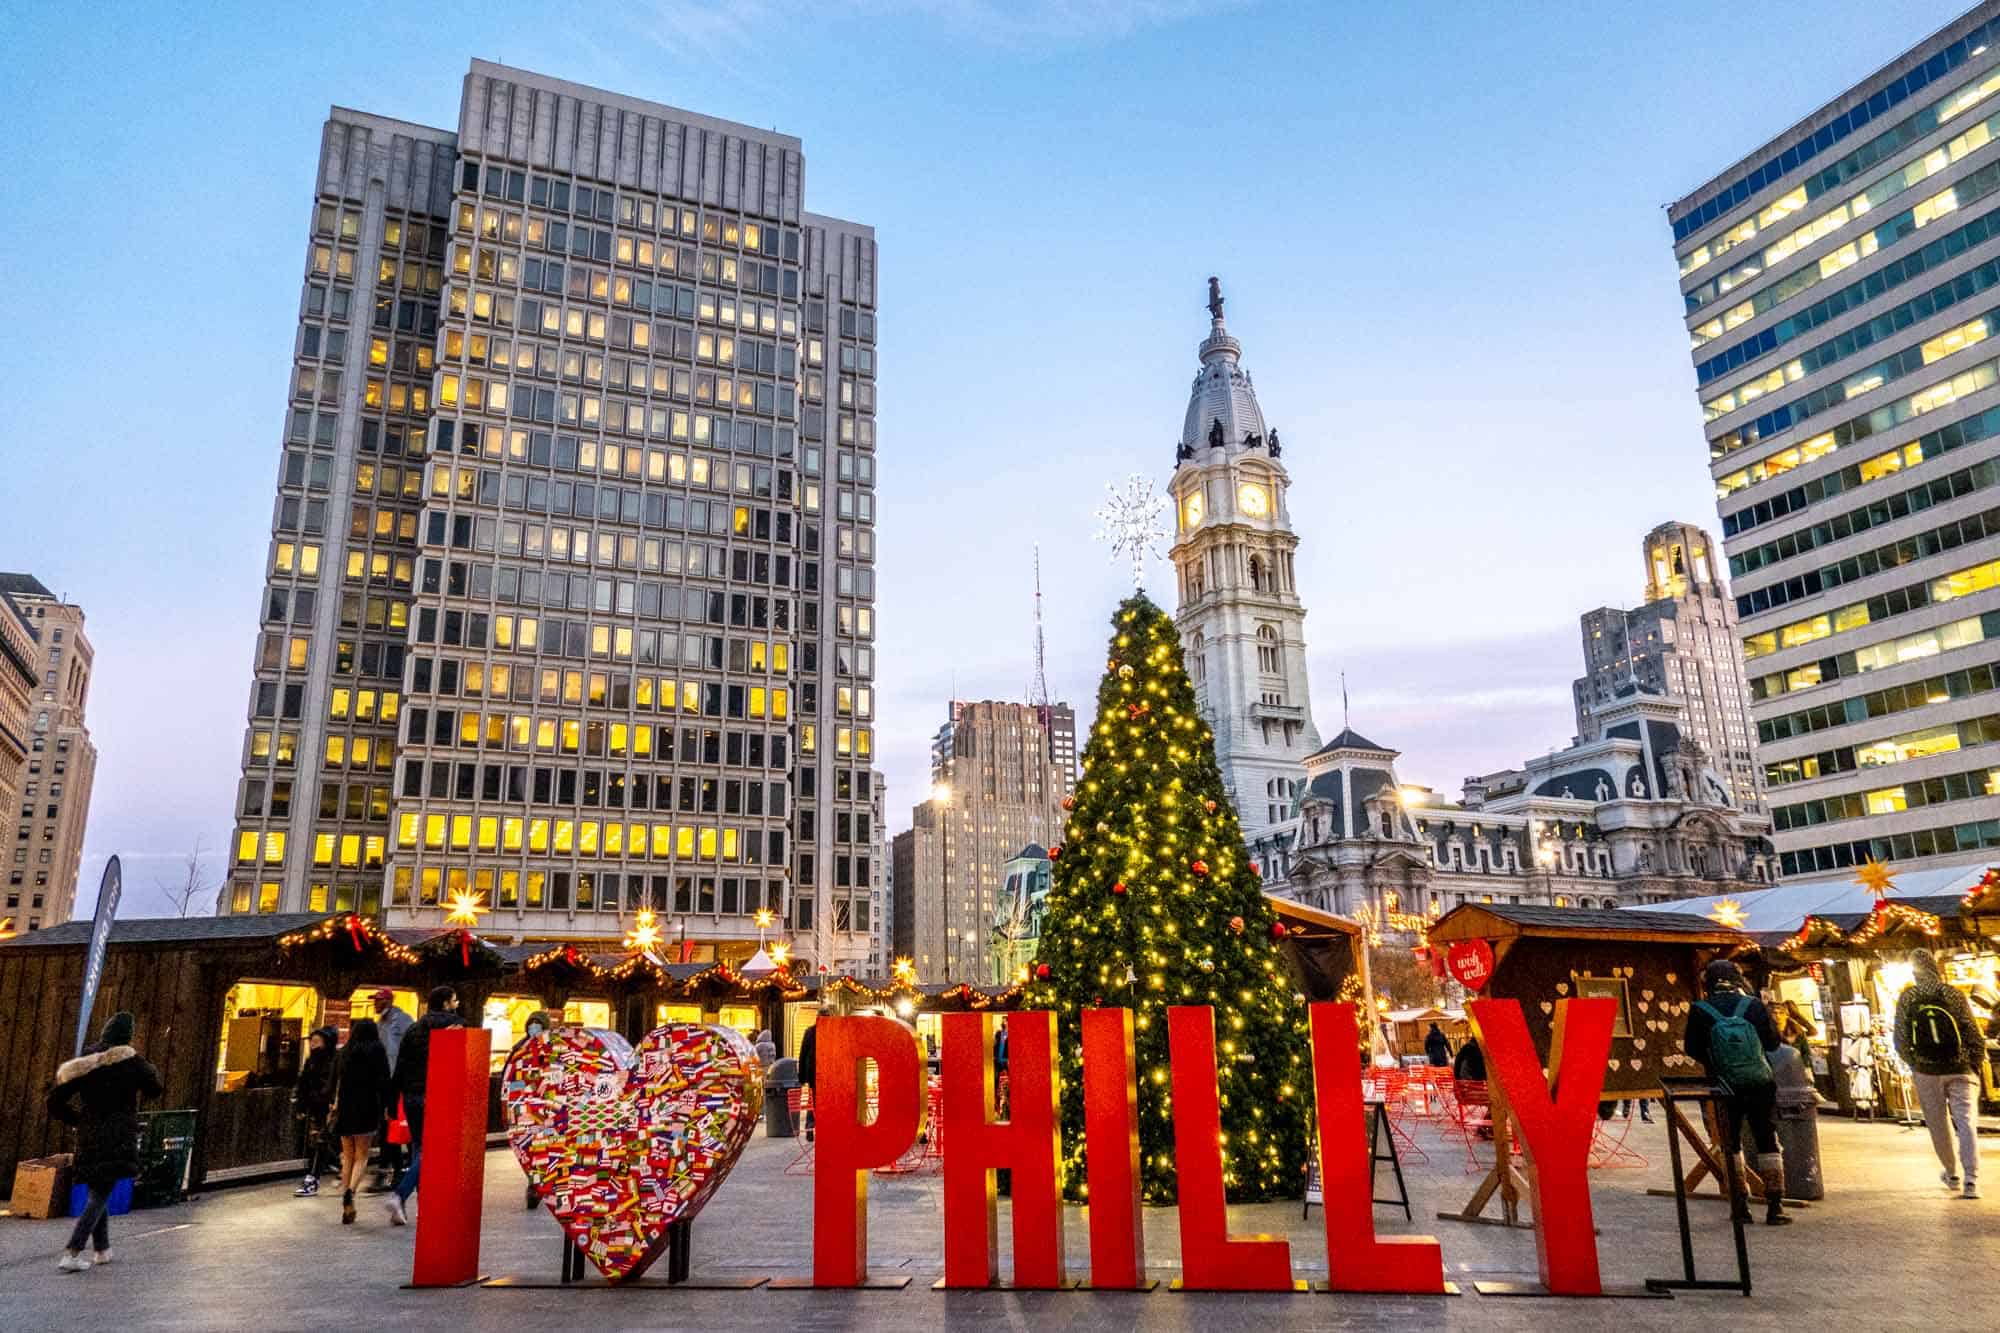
1131, 519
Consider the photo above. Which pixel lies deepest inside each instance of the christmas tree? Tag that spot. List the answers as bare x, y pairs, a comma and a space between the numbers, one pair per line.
1155, 903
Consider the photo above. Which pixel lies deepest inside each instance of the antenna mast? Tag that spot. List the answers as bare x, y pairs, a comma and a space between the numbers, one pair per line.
1038, 692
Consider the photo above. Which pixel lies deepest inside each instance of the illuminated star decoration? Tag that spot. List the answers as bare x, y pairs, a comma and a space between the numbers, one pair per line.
1728, 913
1132, 523
464, 908
645, 933
7, 931
1875, 876
906, 972
780, 954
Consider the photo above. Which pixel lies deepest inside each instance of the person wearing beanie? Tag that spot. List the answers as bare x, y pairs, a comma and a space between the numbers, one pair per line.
312, 1096
1730, 1032
1937, 1038
98, 1093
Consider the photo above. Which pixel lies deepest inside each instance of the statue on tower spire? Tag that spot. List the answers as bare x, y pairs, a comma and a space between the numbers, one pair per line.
1215, 299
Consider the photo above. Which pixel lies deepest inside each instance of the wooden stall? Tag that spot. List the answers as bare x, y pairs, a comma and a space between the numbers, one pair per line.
1649, 962
1324, 952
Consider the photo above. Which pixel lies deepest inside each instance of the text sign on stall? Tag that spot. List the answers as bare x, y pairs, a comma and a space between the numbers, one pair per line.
1470, 963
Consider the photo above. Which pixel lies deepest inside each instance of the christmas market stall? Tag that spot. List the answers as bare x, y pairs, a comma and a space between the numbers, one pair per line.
1835, 955
1323, 951
1649, 963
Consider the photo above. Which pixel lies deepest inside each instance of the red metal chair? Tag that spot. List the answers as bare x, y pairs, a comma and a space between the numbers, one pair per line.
1391, 1087
1608, 1150
1471, 1119
799, 1101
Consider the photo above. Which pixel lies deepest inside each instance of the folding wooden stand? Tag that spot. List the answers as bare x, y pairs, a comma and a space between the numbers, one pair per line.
1674, 1091
1706, 1144
1504, 1179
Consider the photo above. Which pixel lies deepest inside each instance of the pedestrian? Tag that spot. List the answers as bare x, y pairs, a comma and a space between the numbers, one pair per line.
311, 1096
392, 1021
808, 1072
1730, 1032
361, 1097
767, 1050
1437, 1050
413, 1068
1470, 1064
1938, 1039
98, 1093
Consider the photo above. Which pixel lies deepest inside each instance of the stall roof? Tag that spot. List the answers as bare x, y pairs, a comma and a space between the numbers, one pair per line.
1506, 920
248, 928
1778, 912
1299, 914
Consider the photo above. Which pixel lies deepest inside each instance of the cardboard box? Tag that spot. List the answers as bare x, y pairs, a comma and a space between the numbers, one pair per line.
41, 1187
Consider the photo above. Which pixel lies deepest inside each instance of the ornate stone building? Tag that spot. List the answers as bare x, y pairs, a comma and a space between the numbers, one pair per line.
1241, 623
1636, 814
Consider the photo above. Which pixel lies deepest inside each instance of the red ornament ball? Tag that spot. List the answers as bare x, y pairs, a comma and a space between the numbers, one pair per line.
1055, 853
1277, 930
1209, 805
1236, 925
1255, 870
1041, 971
1069, 802
1119, 888
1200, 867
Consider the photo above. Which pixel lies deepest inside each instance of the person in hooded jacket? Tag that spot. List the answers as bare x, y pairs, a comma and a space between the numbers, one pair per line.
362, 1092
392, 1021
312, 1096
1437, 1047
1938, 1039
413, 1069
98, 1093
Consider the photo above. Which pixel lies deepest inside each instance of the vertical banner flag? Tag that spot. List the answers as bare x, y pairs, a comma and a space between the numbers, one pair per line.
108, 890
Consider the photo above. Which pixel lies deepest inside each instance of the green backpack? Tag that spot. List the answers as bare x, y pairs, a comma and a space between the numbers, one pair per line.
1736, 1052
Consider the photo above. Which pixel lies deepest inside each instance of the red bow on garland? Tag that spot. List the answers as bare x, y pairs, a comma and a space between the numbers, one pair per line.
356, 933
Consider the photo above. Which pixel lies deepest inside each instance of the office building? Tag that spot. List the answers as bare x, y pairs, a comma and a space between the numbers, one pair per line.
1682, 641
1841, 288
570, 598
1241, 622
996, 791
19, 652
902, 895
60, 764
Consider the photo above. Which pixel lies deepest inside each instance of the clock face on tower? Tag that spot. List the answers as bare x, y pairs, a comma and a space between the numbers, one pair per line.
1253, 499
1191, 510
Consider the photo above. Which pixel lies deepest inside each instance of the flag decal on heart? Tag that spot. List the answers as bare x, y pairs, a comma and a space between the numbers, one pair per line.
622, 1142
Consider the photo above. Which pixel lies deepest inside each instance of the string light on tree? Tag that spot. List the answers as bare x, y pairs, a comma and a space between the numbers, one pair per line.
1153, 902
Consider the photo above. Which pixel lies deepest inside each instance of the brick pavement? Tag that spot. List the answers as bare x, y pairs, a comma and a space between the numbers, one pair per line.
1871, 1256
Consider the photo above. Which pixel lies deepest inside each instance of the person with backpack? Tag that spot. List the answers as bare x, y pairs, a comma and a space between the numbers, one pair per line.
1730, 1032
1938, 1039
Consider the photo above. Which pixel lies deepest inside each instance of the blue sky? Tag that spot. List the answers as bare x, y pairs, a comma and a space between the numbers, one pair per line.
1439, 227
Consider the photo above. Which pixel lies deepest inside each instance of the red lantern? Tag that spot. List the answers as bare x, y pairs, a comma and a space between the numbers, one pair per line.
1041, 971
1200, 867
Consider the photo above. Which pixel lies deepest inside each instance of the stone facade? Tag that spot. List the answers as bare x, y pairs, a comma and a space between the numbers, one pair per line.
61, 763
1681, 641
1241, 622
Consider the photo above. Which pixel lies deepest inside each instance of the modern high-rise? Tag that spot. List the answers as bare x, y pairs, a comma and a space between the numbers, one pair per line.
60, 764
570, 598
1681, 641
997, 789
1842, 288
1241, 622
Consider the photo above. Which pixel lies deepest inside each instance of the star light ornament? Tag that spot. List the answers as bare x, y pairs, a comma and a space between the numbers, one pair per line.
1132, 523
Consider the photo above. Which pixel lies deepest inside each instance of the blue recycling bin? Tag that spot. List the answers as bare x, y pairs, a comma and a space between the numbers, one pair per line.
121, 1199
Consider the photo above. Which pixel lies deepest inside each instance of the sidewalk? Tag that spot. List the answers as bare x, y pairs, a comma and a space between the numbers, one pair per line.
1871, 1255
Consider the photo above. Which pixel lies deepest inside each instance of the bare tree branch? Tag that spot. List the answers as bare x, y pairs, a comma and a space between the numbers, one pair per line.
191, 885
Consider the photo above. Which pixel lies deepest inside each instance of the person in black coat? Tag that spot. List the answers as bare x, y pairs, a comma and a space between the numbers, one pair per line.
1748, 1100
1437, 1048
99, 1092
413, 1071
809, 1072
311, 1096
363, 1089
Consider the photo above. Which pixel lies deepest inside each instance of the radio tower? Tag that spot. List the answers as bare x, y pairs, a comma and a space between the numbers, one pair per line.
1038, 692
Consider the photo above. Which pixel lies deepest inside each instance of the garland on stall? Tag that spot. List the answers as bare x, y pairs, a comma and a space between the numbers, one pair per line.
474, 953
361, 933
1985, 895
1889, 916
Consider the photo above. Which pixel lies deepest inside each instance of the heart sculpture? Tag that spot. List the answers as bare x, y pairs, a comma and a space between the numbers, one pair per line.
620, 1142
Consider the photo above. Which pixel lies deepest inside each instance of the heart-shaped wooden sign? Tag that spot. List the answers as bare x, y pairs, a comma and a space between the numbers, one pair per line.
620, 1142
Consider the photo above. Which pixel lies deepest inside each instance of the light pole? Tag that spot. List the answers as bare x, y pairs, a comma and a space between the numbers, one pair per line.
941, 798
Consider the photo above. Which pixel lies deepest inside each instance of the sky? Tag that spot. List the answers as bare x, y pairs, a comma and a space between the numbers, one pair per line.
1439, 227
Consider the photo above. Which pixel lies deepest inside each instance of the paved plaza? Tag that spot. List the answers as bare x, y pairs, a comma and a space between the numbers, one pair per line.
1888, 1249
